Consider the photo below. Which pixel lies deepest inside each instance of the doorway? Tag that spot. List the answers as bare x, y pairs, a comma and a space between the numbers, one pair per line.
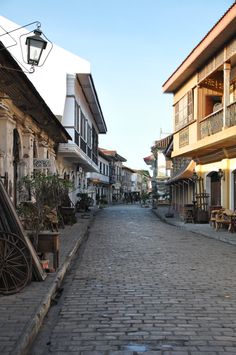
16, 159
215, 189
234, 189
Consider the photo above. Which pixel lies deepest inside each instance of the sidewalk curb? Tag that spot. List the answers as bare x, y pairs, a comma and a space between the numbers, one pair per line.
218, 236
168, 221
165, 220
23, 344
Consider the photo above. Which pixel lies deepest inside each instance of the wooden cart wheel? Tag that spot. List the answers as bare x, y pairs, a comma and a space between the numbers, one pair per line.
15, 263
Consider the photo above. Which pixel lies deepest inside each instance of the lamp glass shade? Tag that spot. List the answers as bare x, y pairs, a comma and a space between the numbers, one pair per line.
35, 46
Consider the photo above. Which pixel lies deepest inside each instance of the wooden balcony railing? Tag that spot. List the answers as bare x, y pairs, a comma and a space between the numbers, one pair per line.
231, 115
211, 124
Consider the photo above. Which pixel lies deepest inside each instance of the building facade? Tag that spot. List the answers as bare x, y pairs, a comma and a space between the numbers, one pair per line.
126, 188
115, 174
66, 84
204, 95
84, 121
99, 185
29, 132
162, 167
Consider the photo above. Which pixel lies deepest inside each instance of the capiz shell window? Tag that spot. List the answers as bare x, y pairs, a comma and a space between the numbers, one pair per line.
184, 110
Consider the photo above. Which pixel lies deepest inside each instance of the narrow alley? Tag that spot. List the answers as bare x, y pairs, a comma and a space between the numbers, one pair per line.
142, 285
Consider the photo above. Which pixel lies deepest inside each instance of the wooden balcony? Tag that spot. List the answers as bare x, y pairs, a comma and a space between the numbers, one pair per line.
211, 124
214, 122
215, 141
231, 115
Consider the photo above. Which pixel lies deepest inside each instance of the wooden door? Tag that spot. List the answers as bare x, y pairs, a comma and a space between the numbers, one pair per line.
234, 187
215, 190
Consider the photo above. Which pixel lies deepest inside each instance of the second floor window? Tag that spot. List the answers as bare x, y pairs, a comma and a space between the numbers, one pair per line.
77, 111
89, 136
184, 110
94, 141
83, 126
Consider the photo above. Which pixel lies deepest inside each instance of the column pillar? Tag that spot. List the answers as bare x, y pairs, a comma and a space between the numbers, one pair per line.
226, 98
27, 140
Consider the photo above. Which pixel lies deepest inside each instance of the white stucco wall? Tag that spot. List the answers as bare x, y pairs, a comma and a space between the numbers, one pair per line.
50, 79
161, 164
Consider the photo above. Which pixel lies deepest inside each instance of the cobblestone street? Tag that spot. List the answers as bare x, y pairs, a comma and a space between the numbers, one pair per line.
144, 286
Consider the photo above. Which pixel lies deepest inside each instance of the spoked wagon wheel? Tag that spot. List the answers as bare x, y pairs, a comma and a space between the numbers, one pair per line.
15, 263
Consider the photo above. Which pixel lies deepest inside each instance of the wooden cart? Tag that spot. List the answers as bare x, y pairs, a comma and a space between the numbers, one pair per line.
18, 258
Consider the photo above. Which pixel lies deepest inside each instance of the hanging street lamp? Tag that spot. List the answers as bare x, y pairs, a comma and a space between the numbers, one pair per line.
35, 46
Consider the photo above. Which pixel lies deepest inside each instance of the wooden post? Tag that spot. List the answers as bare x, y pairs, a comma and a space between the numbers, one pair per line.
226, 101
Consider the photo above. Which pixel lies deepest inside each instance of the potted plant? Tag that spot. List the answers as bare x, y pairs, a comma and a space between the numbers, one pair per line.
45, 193
102, 201
41, 212
84, 202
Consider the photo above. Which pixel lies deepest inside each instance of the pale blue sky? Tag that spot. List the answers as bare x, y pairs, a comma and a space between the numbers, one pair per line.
133, 47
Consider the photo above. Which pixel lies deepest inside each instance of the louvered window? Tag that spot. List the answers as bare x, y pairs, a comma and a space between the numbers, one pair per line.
184, 110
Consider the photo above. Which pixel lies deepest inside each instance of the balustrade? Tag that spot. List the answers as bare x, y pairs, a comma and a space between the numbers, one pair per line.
214, 122
211, 124
231, 115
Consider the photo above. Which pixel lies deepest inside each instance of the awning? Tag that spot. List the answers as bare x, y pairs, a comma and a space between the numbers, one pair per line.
185, 174
148, 160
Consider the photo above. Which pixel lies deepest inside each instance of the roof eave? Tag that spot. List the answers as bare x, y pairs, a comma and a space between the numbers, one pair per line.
214, 40
86, 82
38, 109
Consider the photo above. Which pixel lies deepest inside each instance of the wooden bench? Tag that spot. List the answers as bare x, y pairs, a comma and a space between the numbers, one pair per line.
213, 217
225, 218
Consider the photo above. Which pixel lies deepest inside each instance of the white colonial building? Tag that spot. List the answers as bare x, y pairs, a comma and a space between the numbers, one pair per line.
99, 184
66, 84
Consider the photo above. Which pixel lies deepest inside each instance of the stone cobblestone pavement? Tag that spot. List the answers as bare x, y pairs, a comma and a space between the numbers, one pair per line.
145, 286
21, 314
